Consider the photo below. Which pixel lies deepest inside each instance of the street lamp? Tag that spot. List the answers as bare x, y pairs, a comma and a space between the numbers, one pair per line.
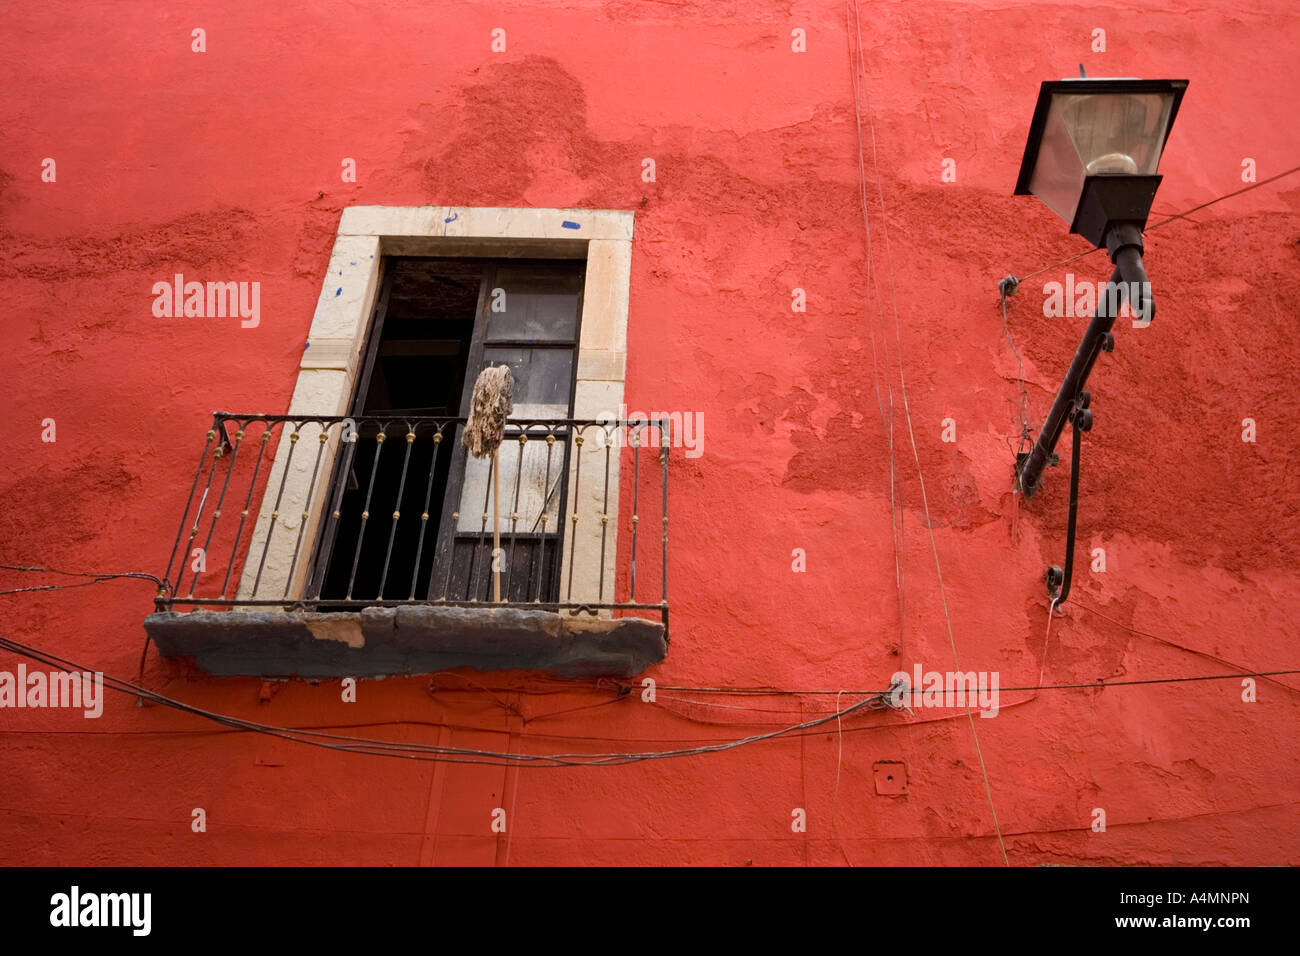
1093, 149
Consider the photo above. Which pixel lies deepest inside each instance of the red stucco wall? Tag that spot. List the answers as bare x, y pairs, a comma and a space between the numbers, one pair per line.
225, 165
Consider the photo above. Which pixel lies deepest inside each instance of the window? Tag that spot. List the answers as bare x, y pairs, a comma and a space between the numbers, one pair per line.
370, 551
394, 316
438, 322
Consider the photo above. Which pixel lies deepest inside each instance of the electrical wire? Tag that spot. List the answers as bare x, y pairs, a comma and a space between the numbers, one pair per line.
415, 751
95, 576
1026, 433
428, 751
1164, 222
1099, 683
623, 689
897, 514
902, 381
835, 800
49, 587
1008, 287
100, 575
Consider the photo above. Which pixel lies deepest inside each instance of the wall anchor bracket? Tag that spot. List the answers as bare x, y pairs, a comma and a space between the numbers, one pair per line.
1058, 580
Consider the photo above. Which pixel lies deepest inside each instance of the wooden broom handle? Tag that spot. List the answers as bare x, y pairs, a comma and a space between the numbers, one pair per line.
496, 529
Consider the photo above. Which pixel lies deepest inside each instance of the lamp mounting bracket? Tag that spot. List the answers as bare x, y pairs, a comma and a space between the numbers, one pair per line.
1058, 579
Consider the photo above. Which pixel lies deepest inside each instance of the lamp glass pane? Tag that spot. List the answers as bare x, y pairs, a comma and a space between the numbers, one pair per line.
1117, 132
1058, 174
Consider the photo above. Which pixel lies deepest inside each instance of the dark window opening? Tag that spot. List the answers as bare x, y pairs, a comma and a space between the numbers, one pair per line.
437, 322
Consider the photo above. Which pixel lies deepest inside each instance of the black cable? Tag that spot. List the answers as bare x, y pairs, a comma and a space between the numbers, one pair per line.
424, 751
1165, 221
433, 752
97, 575
623, 689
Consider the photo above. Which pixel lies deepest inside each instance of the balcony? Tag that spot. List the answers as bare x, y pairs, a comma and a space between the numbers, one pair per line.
326, 547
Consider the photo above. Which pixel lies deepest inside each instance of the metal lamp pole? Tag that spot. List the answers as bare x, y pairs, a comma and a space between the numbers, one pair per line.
1124, 243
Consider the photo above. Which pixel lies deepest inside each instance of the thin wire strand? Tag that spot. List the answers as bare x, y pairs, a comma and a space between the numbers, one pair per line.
902, 381
624, 689
835, 800
96, 575
1168, 643
1026, 433
1164, 222
1042, 667
427, 751
414, 751
896, 515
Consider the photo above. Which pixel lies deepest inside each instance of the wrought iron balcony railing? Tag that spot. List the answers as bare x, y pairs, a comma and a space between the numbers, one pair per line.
331, 513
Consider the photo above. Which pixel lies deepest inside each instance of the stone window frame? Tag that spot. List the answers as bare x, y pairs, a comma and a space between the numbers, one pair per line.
331, 361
